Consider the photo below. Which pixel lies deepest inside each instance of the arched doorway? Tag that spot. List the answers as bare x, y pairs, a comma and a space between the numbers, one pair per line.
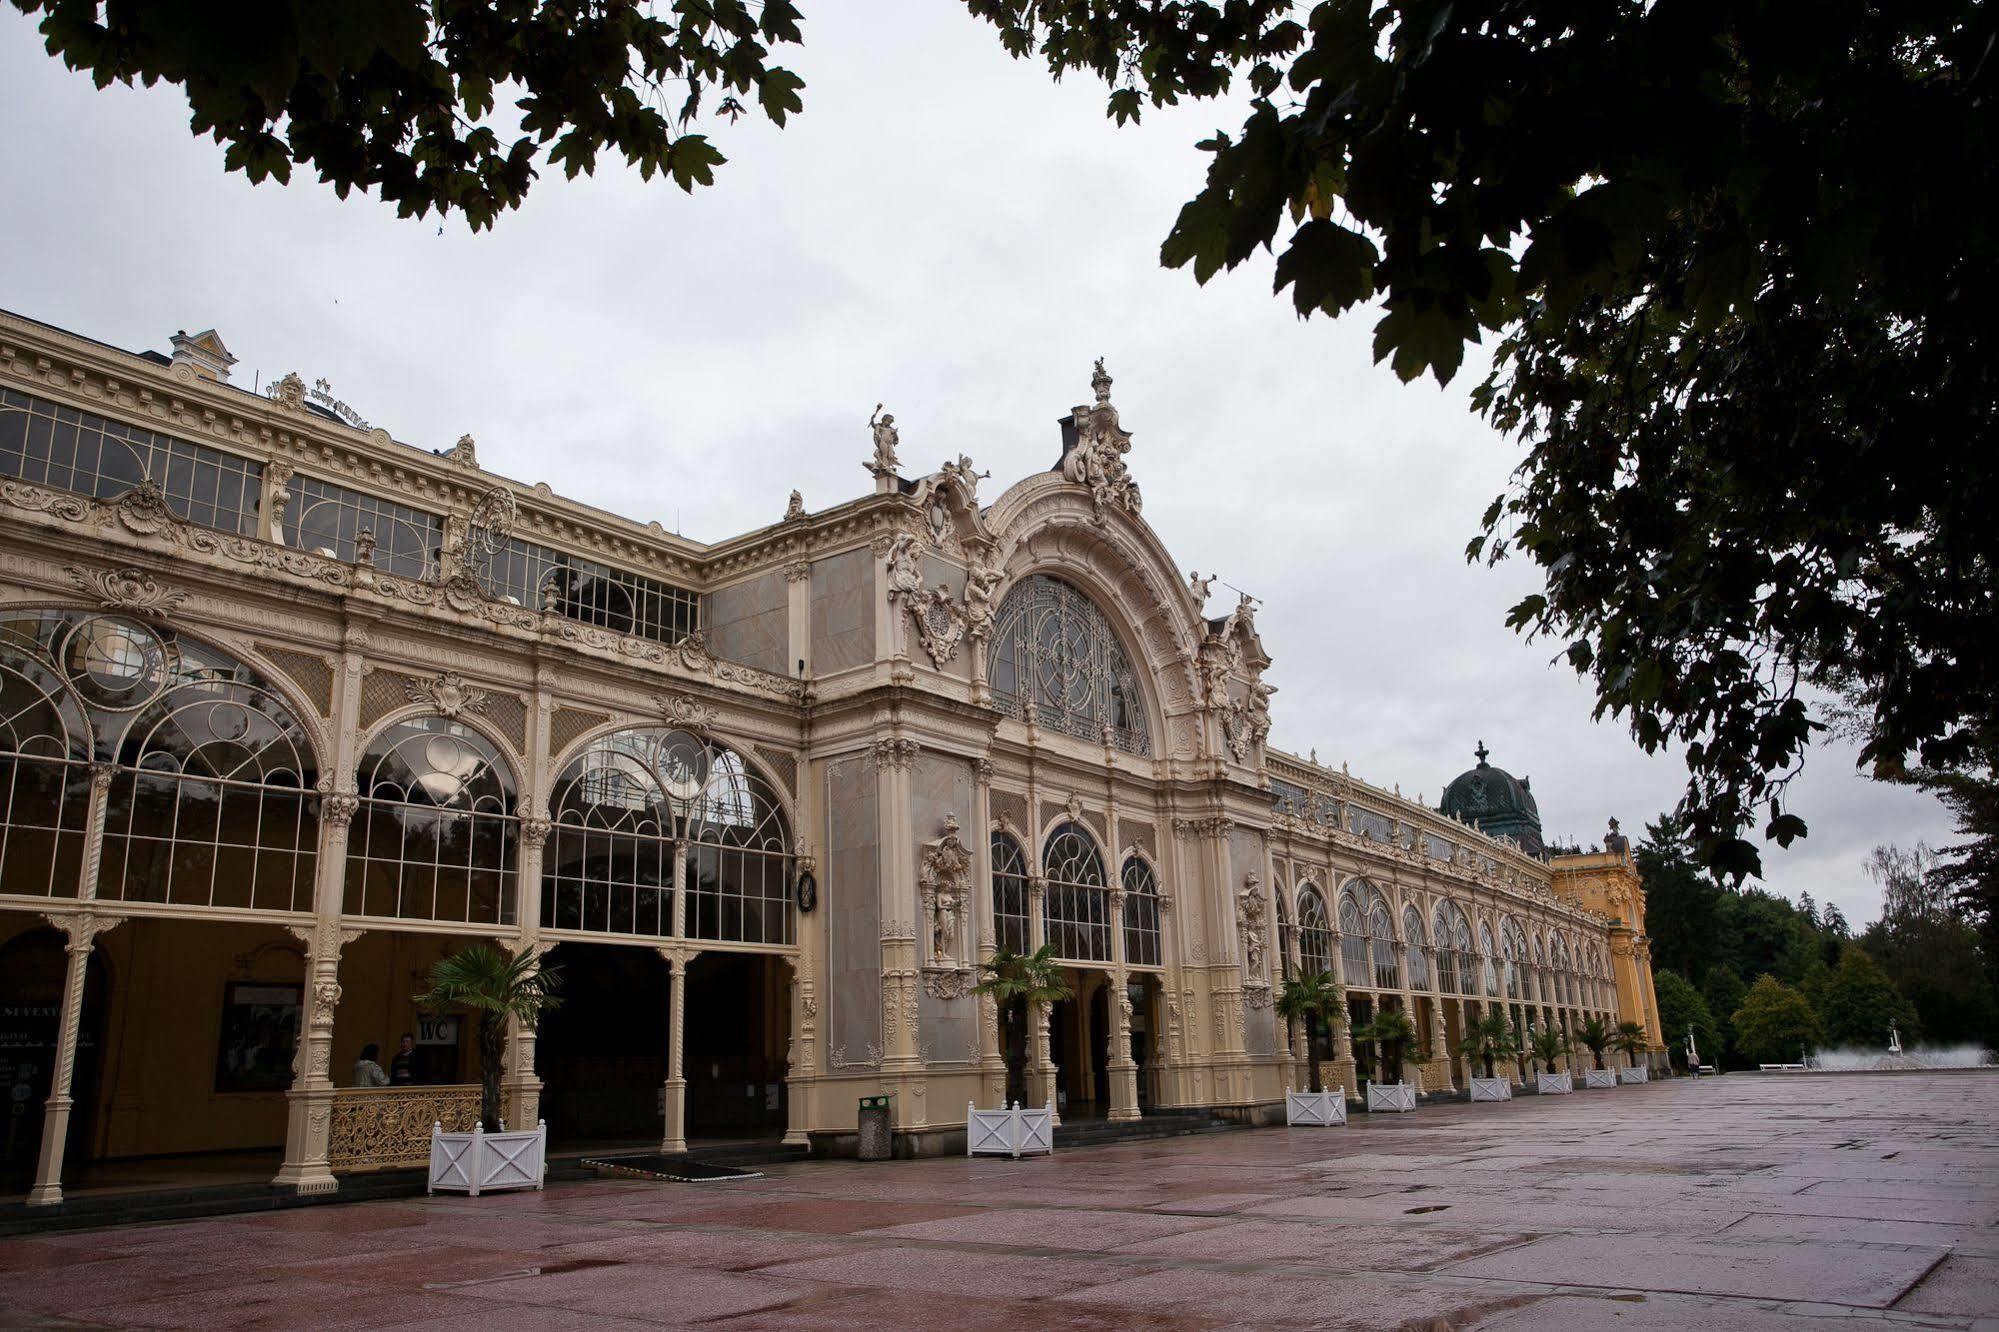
32, 969
601, 1054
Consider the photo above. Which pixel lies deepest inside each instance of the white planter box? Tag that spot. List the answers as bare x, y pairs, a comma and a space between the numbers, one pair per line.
480, 1162
1491, 1089
1398, 1097
1011, 1131
1554, 1084
1315, 1109
1631, 1076
1600, 1077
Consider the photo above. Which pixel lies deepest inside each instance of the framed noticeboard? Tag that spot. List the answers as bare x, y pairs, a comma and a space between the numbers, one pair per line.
259, 1036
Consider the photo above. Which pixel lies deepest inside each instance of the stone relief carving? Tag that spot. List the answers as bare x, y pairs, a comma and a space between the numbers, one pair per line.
1096, 460
1250, 919
894, 753
944, 878
794, 508
131, 590
448, 694
940, 623
288, 393
680, 710
464, 453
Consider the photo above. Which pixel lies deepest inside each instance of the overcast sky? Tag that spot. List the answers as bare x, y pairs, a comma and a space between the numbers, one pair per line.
945, 231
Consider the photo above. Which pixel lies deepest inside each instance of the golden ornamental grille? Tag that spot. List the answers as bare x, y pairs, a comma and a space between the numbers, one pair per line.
383, 1128
569, 725
783, 765
510, 717
382, 692
313, 675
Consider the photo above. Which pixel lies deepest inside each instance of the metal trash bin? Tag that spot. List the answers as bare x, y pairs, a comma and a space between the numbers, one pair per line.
877, 1144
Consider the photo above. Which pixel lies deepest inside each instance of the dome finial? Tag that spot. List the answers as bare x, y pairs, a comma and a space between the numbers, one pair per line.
1481, 753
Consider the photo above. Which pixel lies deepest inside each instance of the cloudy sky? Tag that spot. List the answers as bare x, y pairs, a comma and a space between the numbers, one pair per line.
946, 231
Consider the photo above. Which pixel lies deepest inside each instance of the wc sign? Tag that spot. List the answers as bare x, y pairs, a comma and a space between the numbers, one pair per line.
437, 1029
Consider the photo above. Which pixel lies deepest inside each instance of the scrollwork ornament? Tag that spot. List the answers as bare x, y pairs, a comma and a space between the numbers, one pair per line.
448, 694
132, 590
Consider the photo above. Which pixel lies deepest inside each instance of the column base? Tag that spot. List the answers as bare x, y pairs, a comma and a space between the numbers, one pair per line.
674, 1094
305, 1180
45, 1195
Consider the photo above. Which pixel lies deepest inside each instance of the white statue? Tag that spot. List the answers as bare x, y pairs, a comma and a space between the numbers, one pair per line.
886, 440
1199, 586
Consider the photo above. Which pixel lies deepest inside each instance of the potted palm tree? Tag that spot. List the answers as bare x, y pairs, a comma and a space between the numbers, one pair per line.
500, 989
1595, 1034
1391, 1031
1311, 998
1629, 1039
1547, 1044
1020, 986
1486, 1041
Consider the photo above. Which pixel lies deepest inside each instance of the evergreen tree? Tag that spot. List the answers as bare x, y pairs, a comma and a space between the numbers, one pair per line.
1681, 1008
1928, 947
1858, 1002
1774, 1024
1724, 991
1681, 899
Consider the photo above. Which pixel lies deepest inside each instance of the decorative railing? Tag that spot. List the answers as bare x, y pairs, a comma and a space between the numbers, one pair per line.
388, 1128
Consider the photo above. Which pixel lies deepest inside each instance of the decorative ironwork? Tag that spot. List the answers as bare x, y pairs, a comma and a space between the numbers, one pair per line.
1053, 649
1078, 904
1141, 913
1010, 919
388, 1128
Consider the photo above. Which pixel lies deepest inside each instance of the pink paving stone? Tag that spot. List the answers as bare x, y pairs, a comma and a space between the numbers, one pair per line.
1858, 1230
827, 1216
874, 1310
1049, 1228
1337, 1247
993, 1275
1872, 1278
282, 1304
1959, 1285
729, 1250
1571, 1313
1280, 1299
676, 1295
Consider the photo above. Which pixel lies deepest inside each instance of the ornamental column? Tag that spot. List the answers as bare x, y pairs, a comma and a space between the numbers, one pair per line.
1041, 1067
992, 1059
520, 1089
309, 1101
82, 930
1123, 1071
1343, 1061
673, 1098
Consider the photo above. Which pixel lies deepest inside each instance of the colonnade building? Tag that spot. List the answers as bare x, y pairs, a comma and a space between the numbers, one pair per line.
290, 709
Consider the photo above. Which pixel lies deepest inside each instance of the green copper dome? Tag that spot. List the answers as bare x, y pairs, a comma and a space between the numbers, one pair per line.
1493, 800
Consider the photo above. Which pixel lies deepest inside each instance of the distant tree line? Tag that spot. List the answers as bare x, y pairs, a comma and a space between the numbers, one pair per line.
1760, 979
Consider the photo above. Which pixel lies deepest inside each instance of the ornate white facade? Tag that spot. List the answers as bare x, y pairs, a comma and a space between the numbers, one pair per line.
312, 706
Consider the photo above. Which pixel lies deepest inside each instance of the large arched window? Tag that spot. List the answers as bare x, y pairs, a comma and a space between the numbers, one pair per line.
1440, 931
1486, 953
45, 750
1141, 913
1078, 917
1538, 987
1353, 942
1053, 648
435, 835
1461, 946
1513, 956
211, 799
1315, 932
1415, 953
621, 810
1010, 895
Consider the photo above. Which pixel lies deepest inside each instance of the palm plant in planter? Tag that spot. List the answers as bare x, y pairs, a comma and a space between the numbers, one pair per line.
1629, 1039
1392, 1033
1310, 998
1595, 1034
1486, 1041
1020, 984
498, 988
1547, 1044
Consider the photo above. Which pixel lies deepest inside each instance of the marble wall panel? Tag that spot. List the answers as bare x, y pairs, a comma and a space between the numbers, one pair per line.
852, 903
843, 612
750, 622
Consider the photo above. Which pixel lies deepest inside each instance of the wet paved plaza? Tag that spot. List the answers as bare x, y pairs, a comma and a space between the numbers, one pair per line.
1741, 1202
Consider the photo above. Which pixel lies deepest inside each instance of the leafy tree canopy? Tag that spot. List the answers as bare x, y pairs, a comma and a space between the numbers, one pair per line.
1928, 948
1775, 1025
399, 96
1744, 304
1681, 1008
1858, 1003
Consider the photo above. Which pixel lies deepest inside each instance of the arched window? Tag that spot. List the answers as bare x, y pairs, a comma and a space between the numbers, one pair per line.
1485, 952
1440, 930
1315, 932
1052, 648
1353, 942
1461, 944
45, 751
1415, 953
1010, 920
1513, 956
739, 859
211, 800
1141, 913
1381, 938
1078, 911
434, 838
609, 862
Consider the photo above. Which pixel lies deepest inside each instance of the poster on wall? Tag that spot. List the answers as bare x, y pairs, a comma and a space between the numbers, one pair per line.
259, 1034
